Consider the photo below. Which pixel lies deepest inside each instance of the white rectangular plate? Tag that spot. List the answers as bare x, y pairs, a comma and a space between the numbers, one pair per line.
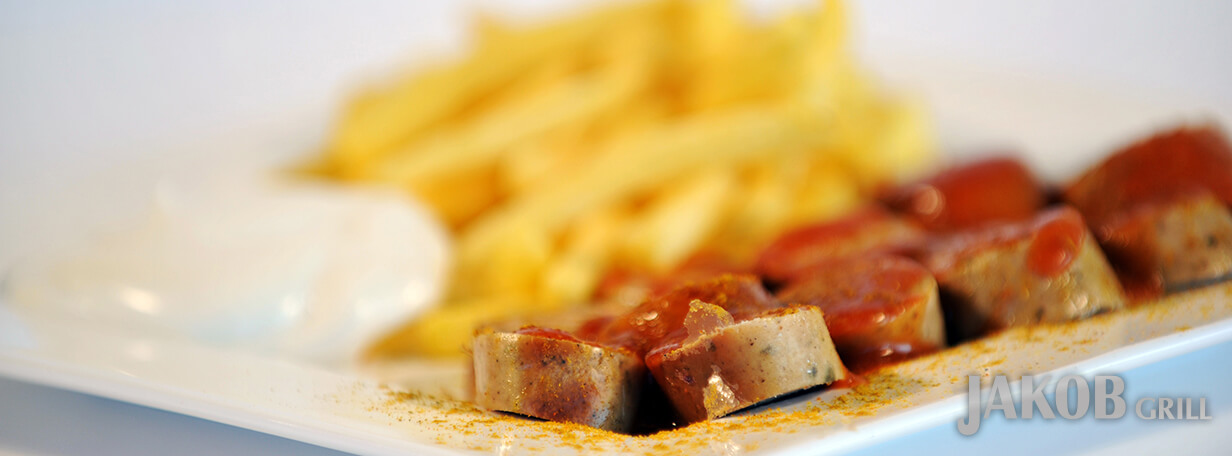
350, 413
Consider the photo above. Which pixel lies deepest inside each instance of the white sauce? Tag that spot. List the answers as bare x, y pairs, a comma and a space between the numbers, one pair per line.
293, 269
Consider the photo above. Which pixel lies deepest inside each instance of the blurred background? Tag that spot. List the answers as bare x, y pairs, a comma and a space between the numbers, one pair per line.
87, 88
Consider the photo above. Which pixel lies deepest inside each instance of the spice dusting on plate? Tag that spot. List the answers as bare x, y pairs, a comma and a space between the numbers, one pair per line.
890, 391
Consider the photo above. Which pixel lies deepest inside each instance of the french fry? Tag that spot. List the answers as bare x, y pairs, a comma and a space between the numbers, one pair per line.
384, 119
904, 143
751, 66
589, 247
760, 208
527, 162
826, 192
458, 197
482, 141
511, 267
681, 219
568, 104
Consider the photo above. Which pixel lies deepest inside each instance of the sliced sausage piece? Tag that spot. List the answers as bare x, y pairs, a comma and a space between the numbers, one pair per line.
1173, 163
878, 308
1155, 207
992, 190
1043, 270
725, 365
1170, 246
870, 229
551, 375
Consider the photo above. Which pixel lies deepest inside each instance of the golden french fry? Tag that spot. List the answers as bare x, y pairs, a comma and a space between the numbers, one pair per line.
589, 246
511, 267
827, 36
828, 191
382, 120
571, 280
636, 116
539, 106
906, 141
527, 162
460, 196
759, 209
482, 141
754, 65
679, 221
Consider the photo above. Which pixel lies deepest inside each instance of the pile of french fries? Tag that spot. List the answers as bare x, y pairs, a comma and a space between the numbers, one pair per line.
630, 136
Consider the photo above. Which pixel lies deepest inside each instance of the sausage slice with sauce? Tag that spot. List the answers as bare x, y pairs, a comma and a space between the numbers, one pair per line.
878, 308
550, 374
724, 365
999, 189
1170, 246
723, 344
1160, 209
871, 229
1044, 270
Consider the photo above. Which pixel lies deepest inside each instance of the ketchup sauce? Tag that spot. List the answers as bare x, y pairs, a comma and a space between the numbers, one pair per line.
991, 190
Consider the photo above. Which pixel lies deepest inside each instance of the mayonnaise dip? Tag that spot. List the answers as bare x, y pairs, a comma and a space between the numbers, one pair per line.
289, 268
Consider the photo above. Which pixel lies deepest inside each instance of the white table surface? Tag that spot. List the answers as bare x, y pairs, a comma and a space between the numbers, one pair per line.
86, 87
